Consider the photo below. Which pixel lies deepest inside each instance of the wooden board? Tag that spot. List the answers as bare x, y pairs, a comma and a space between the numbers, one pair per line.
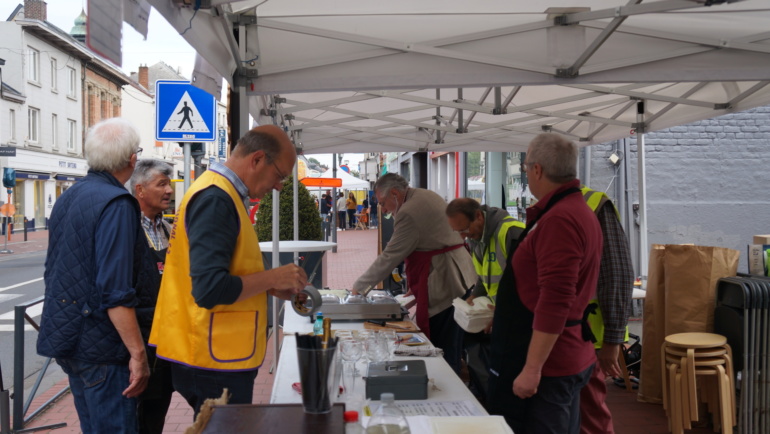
408, 326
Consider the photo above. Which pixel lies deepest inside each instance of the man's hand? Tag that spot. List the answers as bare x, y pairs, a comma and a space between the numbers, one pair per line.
488, 327
525, 384
139, 376
608, 359
469, 300
289, 280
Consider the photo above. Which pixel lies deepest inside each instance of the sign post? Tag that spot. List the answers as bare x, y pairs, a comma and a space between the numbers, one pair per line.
8, 210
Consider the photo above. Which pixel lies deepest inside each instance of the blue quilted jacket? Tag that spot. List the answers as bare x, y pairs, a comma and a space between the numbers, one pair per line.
72, 323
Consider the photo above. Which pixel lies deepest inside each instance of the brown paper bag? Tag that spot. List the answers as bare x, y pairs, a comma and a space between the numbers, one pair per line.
692, 273
686, 304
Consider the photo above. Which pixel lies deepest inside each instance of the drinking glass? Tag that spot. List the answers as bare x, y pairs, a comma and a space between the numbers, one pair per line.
391, 339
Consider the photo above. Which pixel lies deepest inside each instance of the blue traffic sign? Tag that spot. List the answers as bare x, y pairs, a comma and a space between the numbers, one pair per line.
184, 113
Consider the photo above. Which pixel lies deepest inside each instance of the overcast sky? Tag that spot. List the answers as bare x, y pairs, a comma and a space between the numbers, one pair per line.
163, 44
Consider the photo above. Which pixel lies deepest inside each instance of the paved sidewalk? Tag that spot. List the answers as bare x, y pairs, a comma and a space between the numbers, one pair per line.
356, 250
37, 241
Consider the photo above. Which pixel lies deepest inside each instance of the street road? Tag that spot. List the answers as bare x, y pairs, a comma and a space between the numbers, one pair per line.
21, 281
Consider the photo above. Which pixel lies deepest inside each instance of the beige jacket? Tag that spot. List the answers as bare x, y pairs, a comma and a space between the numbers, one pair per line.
421, 224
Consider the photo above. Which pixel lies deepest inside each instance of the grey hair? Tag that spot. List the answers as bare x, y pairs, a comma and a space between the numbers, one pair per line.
146, 170
556, 155
391, 181
110, 145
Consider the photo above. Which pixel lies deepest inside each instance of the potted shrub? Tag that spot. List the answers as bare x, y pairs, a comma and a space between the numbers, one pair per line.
309, 226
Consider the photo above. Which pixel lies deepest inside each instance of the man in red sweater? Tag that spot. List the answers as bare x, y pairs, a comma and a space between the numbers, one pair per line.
541, 355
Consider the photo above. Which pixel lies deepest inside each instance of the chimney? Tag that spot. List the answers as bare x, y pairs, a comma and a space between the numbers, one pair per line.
144, 76
35, 10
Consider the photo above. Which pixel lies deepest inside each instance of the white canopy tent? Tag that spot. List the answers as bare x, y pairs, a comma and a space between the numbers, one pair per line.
453, 75
349, 182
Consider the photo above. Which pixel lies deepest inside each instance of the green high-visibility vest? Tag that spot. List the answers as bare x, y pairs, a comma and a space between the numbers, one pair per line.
491, 267
595, 200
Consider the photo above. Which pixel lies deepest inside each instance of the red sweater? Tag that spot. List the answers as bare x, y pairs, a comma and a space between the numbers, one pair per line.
556, 268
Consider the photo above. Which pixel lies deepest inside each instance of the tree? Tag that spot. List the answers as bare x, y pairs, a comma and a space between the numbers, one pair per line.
473, 163
309, 217
314, 161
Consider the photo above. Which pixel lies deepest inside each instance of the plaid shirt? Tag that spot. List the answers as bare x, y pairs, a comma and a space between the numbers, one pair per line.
157, 231
616, 277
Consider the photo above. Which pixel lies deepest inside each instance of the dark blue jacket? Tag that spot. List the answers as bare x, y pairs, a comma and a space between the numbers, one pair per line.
73, 325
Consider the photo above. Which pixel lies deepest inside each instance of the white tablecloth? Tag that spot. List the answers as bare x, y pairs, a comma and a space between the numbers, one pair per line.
448, 386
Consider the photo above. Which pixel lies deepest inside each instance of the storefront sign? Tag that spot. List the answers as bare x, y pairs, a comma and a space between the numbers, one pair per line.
28, 175
7, 151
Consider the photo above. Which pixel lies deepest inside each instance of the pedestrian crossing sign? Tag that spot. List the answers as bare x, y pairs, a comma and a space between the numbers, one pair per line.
184, 113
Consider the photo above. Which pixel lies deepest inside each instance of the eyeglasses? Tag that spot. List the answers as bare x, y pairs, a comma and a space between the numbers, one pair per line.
525, 167
138, 151
465, 231
282, 177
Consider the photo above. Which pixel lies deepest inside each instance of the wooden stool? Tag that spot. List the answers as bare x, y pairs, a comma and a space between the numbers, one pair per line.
684, 358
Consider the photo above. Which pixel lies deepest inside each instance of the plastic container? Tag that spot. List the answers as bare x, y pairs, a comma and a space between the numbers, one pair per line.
352, 425
388, 419
318, 326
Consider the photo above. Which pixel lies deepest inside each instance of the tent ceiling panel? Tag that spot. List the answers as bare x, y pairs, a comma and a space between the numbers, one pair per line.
448, 75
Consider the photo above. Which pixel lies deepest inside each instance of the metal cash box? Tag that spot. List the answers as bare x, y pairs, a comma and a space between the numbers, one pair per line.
405, 379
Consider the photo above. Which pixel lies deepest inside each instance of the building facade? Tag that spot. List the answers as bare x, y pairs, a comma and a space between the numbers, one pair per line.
59, 89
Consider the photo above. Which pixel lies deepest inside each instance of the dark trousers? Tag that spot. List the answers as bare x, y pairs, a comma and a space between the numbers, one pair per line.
197, 385
154, 401
341, 219
447, 335
555, 408
351, 218
477, 351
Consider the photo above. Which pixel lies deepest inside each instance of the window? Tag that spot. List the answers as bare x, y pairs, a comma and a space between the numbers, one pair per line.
72, 86
55, 131
33, 124
72, 134
34, 64
54, 71
12, 128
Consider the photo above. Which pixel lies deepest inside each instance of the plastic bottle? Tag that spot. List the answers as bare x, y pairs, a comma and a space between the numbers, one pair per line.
352, 425
388, 419
318, 326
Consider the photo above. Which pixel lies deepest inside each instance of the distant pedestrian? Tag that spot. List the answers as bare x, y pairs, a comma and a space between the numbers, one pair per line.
351, 204
342, 210
373, 204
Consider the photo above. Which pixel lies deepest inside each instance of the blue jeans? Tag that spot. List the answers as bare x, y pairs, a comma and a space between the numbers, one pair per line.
98, 392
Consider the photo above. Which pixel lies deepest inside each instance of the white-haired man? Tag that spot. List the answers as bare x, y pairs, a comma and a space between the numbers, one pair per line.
97, 275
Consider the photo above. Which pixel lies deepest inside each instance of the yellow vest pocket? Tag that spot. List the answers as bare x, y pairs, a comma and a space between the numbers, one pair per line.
233, 336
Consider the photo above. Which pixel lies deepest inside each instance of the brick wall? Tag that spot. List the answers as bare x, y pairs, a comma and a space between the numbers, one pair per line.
706, 181
35, 10
104, 98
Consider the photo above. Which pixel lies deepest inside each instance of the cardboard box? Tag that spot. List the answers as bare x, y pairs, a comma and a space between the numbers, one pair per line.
758, 259
761, 239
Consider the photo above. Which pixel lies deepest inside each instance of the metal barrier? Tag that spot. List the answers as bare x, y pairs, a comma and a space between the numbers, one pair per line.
20, 408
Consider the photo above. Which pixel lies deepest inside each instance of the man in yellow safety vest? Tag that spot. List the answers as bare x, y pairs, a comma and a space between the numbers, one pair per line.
488, 231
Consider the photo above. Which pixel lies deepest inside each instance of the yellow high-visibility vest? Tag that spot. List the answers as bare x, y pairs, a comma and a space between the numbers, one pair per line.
490, 268
228, 337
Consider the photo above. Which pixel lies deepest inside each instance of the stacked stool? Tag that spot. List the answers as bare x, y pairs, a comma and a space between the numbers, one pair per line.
692, 363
